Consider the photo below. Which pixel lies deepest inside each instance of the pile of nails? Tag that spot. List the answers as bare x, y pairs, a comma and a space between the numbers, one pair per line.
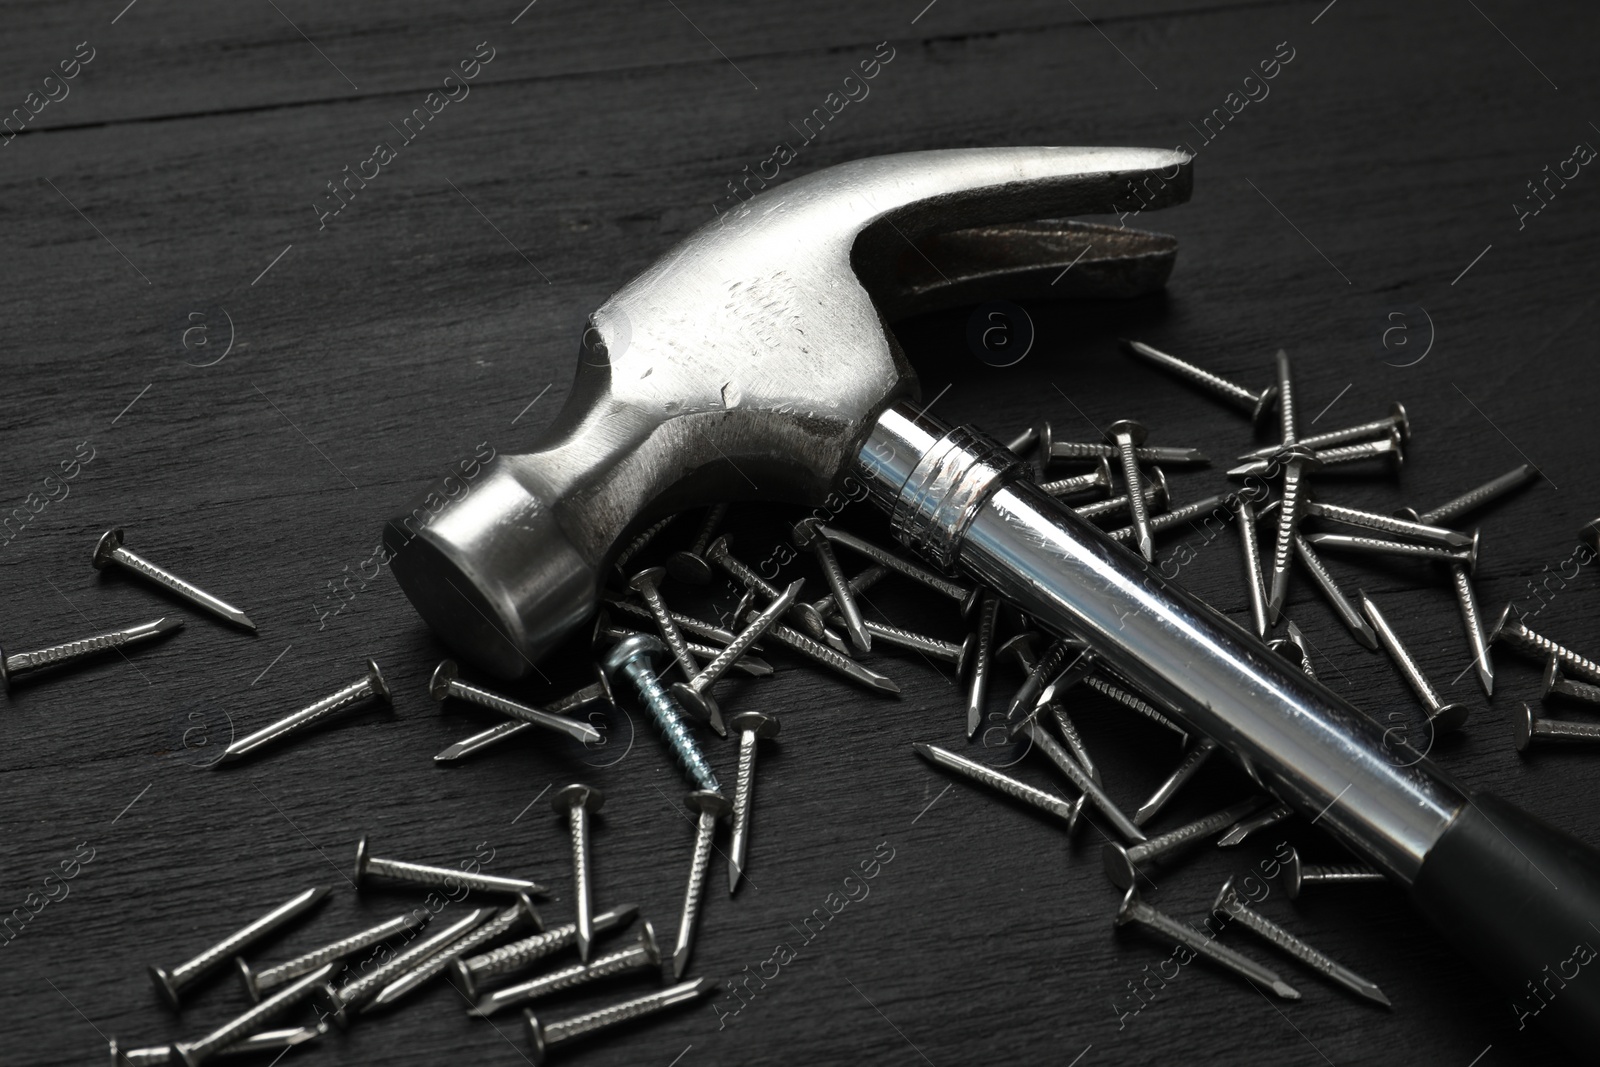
673, 663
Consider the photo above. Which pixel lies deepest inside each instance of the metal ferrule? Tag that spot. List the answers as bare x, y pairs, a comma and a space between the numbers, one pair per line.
952, 500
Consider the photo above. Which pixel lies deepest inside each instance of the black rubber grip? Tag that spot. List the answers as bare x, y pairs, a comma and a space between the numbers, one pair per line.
1521, 899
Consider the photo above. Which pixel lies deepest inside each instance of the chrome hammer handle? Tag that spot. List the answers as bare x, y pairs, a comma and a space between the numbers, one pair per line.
1512, 893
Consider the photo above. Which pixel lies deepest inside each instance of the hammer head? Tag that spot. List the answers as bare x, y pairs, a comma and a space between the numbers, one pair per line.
752, 360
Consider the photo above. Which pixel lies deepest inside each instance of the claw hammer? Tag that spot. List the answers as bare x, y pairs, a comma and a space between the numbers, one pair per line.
752, 360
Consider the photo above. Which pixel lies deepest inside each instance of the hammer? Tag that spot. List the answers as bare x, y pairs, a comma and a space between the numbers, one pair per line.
753, 361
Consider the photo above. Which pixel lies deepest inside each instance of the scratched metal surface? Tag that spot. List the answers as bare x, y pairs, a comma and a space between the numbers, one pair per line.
1361, 211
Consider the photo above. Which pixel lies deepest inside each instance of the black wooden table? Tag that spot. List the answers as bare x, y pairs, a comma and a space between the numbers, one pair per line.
251, 381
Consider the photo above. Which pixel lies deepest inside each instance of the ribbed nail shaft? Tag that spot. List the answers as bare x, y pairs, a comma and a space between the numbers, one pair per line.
1384, 427
643, 954
1050, 803
577, 803
1242, 829
1080, 777
746, 575
1444, 716
647, 584
688, 624
752, 727
1175, 517
450, 687
596, 693
348, 697
1229, 903
1099, 478
710, 809
1164, 454
1331, 592
465, 972
544, 1035
1069, 734
1137, 911
110, 551
1472, 623
978, 680
796, 641
17, 664
1286, 407
1154, 497
638, 544
858, 585
257, 1043
518, 914
806, 536
194, 1053
1377, 546
172, 983
1127, 436
754, 631
1518, 636
1253, 581
1122, 863
1251, 403
1128, 699
1192, 761
904, 567
1294, 467
1371, 520
341, 1002
1473, 499
1557, 685
426, 874
269, 978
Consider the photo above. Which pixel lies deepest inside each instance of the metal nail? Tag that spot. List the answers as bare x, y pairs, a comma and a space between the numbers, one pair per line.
689, 625
1099, 478
1242, 829
1556, 684
446, 684
1388, 448
1134, 910
897, 637
269, 978
1443, 716
597, 692
1041, 672
1069, 731
522, 913
1063, 809
643, 954
1252, 568
1192, 761
1127, 435
110, 551
265, 1041
1075, 451
1286, 411
172, 983
632, 657
578, 802
796, 641
1155, 499
542, 1035
1174, 517
607, 633
689, 565
1472, 622
1377, 546
646, 583
859, 584
805, 535
16, 664
1371, 520
1129, 699
1078, 776
1396, 420
194, 1053
1297, 874
752, 726
1296, 463
1518, 636
638, 544
800, 613
1473, 499
1122, 862
1229, 903
961, 594
695, 697
709, 809
466, 972
369, 867
978, 681
371, 686
1331, 592
1248, 401
1024, 441
340, 1003
1530, 724
1294, 648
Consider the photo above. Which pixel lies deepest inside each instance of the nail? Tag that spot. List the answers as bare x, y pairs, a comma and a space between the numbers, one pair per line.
1555, 684
752, 726
1416, 531
1132, 700
1396, 420
171, 984
110, 550
1251, 403
799, 613
16, 664
1519, 637
1242, 829
1229, 904
597, 692
1155, 499
1175, 517
1127, 436
426, 874
446, 685
796, 641
1377, 546
961, 594
690, 564
577, 802
1078, 776
1297, 874
805, 535
542, 1035
695, 697
638, 544
1192, 761
1295, 464
643, 954
194, 1053
896, 637
859, 584
645, 584
269, 978
1099, 478
265, 1041
522, 913
340, 1003
1069, 731
1387, 448
632, 657
716, 635
1060, 807
1331, 592
1134, 910
607, 633
466, 972
1473, 499
978, 681
1530, 725
1293, 648
1040, 672
1472, 622
1122, 862
1286, 412
709, 809
1443, 716
371, 686
1074, 451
